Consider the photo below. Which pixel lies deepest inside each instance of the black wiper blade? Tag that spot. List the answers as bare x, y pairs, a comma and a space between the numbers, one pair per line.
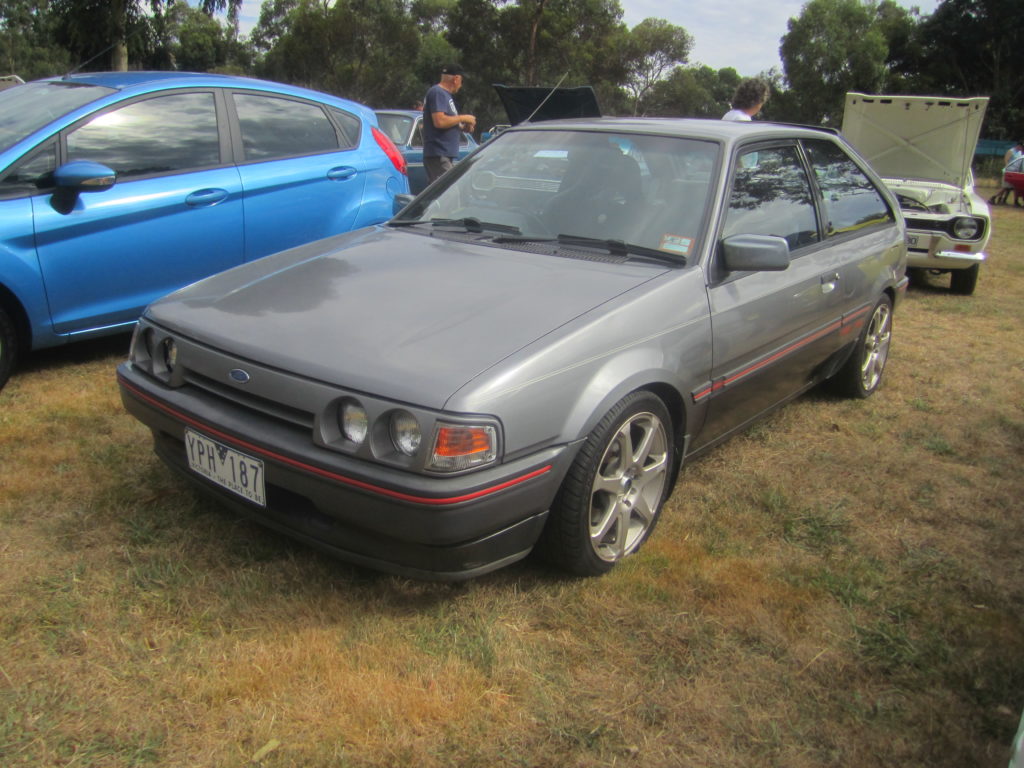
621, 248
472, 224
406, 222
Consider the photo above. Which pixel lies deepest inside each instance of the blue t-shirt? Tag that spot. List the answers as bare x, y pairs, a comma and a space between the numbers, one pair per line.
444, 142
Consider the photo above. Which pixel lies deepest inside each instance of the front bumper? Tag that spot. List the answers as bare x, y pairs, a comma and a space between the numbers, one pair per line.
443, 528
931, 251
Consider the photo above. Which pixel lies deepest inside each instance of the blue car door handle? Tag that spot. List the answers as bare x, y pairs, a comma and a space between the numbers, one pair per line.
341, 173
204, 197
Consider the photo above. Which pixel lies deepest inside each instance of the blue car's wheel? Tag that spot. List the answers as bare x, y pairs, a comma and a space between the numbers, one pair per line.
612, 495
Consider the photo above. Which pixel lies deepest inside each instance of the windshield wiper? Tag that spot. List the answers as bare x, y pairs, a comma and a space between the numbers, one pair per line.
614, 247
472, 224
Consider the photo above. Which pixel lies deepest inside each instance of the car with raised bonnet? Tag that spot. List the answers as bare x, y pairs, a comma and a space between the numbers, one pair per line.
922, 147
118, 187
405, 128
526, 352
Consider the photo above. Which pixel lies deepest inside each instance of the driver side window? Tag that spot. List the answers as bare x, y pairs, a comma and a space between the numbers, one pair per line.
771, 195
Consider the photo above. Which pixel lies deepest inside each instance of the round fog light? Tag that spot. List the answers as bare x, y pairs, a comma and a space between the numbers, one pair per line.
405, 432
354, 422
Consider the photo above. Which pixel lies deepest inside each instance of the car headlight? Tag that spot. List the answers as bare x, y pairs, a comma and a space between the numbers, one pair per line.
965, 228
170, 353
405, 433
353, 421
459, 446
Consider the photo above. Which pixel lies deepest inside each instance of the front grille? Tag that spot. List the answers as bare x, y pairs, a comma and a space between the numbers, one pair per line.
274, 410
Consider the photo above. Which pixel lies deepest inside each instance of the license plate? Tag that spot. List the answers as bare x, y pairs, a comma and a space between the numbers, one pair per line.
225, 466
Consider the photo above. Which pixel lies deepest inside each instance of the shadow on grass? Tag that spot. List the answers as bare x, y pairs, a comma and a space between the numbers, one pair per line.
76, 353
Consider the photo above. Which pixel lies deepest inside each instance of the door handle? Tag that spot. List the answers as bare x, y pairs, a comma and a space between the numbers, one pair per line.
342, 173
828, 282
206, 197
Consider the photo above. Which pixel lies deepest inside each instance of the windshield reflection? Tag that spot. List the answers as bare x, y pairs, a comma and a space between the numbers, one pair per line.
27, 108
646, 190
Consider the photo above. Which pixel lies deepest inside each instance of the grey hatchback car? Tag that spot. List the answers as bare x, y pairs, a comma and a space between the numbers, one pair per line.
524, 355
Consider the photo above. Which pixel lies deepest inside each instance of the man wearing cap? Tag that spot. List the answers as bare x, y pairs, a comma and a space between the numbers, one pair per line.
442, 123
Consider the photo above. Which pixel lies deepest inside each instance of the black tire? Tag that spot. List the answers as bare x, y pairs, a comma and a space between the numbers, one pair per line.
606, 508
8, 347
963, 281
862, 373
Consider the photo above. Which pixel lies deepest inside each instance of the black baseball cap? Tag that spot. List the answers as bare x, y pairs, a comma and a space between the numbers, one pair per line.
452, 69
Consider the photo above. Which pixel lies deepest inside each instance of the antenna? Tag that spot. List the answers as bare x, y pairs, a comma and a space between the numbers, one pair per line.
106, 50
545, 101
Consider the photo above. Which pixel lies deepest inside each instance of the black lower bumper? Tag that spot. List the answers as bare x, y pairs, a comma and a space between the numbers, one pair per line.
372, 516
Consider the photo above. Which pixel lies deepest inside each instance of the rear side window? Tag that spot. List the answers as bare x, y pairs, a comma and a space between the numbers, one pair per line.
349, 126
274, 127
165, 134
850, 200
771, 195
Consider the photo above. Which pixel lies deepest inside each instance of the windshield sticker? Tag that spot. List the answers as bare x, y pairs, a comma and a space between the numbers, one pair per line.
676, 244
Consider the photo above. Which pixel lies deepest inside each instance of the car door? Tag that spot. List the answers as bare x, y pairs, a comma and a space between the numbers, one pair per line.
771, 330
173, 217
302, 168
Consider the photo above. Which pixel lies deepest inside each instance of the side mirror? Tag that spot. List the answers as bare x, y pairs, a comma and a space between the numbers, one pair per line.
400, 202
755, 253
84, 176
76, 177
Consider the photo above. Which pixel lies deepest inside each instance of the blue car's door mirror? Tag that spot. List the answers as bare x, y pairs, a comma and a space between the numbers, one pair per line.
84, 176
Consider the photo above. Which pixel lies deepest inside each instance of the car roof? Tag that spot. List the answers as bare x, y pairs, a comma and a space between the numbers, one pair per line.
697, 128
143, 81
403, 112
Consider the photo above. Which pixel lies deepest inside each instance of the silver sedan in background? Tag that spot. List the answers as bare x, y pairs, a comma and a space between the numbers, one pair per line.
526, 353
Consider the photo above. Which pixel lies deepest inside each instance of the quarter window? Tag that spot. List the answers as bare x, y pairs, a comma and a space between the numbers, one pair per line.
771, 195
31, 174
165, 134
850, 200
273, 127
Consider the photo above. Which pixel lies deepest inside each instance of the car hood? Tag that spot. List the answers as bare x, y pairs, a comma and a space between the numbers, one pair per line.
394, 313
536, 103
929, 138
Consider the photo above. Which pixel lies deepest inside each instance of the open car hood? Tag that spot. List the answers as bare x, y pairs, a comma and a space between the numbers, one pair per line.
930, 138
536, 103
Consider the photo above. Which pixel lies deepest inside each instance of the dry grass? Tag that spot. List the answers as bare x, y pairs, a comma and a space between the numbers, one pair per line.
842, 586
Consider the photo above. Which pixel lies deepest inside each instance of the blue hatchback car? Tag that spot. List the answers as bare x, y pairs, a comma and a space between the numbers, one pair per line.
116, 188
405, 128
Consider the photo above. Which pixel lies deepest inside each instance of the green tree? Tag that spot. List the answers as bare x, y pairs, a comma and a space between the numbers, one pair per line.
656, 48
27, 46
360, 49
90, 29
834, 46
697, 91
976, 48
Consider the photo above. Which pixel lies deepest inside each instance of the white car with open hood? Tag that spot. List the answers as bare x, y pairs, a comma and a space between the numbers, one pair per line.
922, 147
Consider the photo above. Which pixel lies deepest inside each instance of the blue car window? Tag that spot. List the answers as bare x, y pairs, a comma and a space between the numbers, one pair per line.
165, 134
273, 127
851, 200
27, 108
348, 126
771, 195
31, 173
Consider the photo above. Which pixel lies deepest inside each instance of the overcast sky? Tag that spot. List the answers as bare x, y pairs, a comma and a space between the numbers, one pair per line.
743, 34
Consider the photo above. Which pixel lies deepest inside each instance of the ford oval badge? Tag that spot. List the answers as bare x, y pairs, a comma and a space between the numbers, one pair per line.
239, 376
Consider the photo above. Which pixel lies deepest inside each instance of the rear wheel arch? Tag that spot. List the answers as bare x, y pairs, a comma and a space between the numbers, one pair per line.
14, 333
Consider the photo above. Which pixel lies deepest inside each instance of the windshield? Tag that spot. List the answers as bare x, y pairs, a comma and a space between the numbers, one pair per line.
27, 108
397, 127
650, 191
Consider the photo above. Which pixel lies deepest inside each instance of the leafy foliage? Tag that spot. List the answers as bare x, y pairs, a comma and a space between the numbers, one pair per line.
387, 52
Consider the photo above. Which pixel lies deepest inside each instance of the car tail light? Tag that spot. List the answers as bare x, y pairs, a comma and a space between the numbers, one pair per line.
390, 150
461, 447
